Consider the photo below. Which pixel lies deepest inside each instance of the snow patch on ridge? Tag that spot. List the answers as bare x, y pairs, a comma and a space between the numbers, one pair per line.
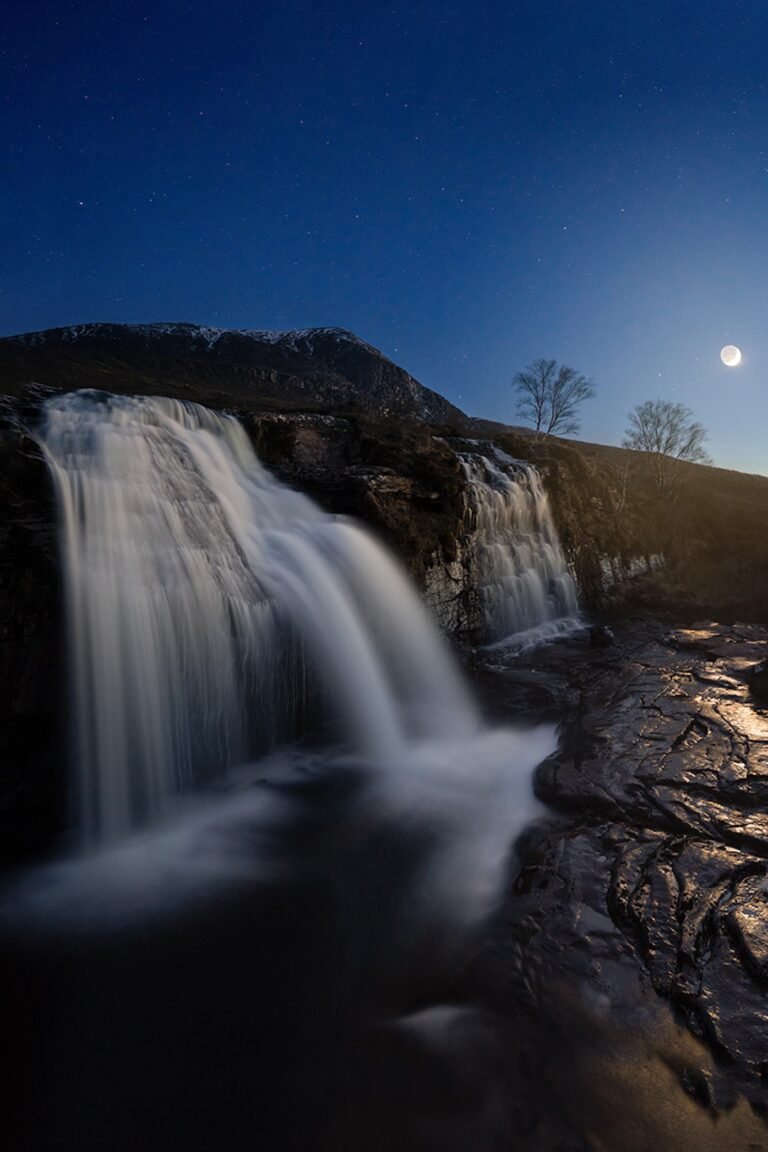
199, 332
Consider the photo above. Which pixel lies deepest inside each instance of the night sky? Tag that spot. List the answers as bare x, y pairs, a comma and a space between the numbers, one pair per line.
468, 186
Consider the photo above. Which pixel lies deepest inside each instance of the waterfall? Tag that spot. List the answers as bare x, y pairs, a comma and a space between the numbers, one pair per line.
290, 816
210, 608
526, 592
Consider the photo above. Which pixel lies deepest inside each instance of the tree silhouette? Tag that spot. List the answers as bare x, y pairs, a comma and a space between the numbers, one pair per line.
669, 433
551, 395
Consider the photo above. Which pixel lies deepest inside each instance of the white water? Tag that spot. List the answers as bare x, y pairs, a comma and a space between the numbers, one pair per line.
527, 595
208, 605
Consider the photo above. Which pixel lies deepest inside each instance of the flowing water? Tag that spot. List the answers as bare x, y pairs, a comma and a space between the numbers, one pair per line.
291, 821
209, 604
526, 591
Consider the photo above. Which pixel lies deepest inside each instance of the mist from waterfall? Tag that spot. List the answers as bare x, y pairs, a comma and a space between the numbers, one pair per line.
519, 571
212, 610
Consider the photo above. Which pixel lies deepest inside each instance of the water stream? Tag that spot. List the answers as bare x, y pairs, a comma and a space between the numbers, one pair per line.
527, 593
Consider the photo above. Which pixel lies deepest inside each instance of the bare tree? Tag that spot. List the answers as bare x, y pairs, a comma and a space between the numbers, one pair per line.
669, 433
550, 396
621, 477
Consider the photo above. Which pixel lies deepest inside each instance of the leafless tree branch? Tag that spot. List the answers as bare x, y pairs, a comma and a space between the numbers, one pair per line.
550, 396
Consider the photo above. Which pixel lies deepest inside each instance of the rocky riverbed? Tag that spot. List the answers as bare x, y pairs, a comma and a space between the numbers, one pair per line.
633, 945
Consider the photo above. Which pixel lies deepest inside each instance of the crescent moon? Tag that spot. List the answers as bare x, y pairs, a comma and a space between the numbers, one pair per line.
730, 355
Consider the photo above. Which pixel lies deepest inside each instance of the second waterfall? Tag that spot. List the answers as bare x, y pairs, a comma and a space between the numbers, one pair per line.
519, 572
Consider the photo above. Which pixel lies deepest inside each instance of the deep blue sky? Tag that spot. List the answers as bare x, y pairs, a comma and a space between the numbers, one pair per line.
468, 186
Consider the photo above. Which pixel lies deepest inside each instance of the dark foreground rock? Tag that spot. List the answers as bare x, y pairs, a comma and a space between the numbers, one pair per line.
758, 682
636, 934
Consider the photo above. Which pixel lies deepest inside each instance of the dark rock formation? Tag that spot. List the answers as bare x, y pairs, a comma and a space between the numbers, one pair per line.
656, 874
757, 678
399, 478
32, 776
601, 636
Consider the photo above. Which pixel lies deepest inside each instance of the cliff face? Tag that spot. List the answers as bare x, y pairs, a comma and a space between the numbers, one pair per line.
32, 793
404, 482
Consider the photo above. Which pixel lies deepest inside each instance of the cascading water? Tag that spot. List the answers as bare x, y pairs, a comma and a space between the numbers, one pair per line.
241, 945
526, 592
207, 601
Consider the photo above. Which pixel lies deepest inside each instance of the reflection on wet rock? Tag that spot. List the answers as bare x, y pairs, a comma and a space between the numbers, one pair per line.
660, 862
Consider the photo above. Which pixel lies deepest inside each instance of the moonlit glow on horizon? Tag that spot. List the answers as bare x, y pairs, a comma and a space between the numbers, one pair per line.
730, 355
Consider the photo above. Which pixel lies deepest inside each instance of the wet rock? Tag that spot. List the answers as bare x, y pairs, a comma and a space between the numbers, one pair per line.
757, 678
601, 636
654, 875
32, 764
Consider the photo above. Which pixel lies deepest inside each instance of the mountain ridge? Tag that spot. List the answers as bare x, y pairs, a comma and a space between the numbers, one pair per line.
328, 367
